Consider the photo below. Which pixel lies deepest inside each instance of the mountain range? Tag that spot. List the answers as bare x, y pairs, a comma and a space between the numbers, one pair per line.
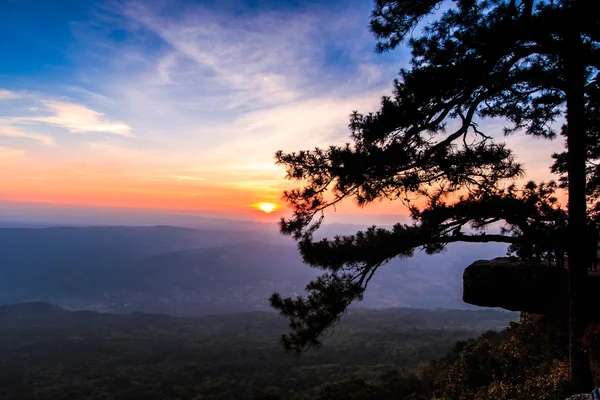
193, 272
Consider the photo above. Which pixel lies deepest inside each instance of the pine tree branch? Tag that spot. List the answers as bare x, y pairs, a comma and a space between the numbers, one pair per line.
485, 238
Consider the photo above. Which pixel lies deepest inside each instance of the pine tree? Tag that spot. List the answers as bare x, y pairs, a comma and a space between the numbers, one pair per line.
592, 99
528, 62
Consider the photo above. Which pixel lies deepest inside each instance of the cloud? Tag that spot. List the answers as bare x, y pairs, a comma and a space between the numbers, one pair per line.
9, 154
212, 95
187, 178
253, 59
226, 87
10, 95
76, 118
254, 137
11, 131
164, 67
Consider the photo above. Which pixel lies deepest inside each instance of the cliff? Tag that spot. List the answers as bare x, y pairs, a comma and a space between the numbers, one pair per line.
522, 286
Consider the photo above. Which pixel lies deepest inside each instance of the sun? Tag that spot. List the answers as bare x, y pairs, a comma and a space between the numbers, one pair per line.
266, 207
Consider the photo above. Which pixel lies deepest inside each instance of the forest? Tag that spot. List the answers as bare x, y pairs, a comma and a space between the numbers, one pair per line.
50, 353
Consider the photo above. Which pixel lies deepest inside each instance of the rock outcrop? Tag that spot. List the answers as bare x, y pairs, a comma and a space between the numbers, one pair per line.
582, 396
522, 286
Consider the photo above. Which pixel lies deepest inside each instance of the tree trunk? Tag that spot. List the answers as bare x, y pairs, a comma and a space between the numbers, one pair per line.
579, 367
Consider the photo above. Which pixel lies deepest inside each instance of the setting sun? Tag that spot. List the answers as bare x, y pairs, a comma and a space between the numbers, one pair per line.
266, 207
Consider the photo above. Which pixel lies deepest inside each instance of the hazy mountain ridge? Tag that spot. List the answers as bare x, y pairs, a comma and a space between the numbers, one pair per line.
194, 272
29, 314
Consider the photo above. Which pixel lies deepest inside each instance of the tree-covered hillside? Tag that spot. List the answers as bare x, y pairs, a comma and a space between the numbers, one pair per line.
50, 353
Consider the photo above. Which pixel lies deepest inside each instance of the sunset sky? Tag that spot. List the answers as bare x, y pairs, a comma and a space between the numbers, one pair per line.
181, 105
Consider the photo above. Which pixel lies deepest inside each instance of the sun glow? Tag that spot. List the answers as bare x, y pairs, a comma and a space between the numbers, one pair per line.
266, 207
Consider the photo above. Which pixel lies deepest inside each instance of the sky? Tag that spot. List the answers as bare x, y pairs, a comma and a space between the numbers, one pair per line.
181, 105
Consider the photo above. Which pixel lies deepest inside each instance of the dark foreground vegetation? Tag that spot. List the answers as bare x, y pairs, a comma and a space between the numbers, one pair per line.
397, 354
49, 353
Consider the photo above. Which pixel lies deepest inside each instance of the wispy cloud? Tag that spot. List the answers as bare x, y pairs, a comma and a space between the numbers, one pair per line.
11, 131
10, 154
187, 178
76, 118
253, 137
10, 95
225, 88
257, 58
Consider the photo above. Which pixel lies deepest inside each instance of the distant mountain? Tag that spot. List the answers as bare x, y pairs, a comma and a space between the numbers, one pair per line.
196, 272
217, 279
428, 281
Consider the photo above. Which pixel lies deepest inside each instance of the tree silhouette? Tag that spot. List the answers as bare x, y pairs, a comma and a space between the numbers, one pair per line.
529, 62
592, 99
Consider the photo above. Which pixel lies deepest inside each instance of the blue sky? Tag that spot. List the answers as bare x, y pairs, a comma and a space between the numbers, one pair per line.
182, 104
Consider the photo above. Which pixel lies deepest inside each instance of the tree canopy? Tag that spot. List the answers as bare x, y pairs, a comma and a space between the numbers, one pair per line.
533, 64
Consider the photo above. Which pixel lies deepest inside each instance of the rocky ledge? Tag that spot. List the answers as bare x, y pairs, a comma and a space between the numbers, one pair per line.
579, 397
522, 286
